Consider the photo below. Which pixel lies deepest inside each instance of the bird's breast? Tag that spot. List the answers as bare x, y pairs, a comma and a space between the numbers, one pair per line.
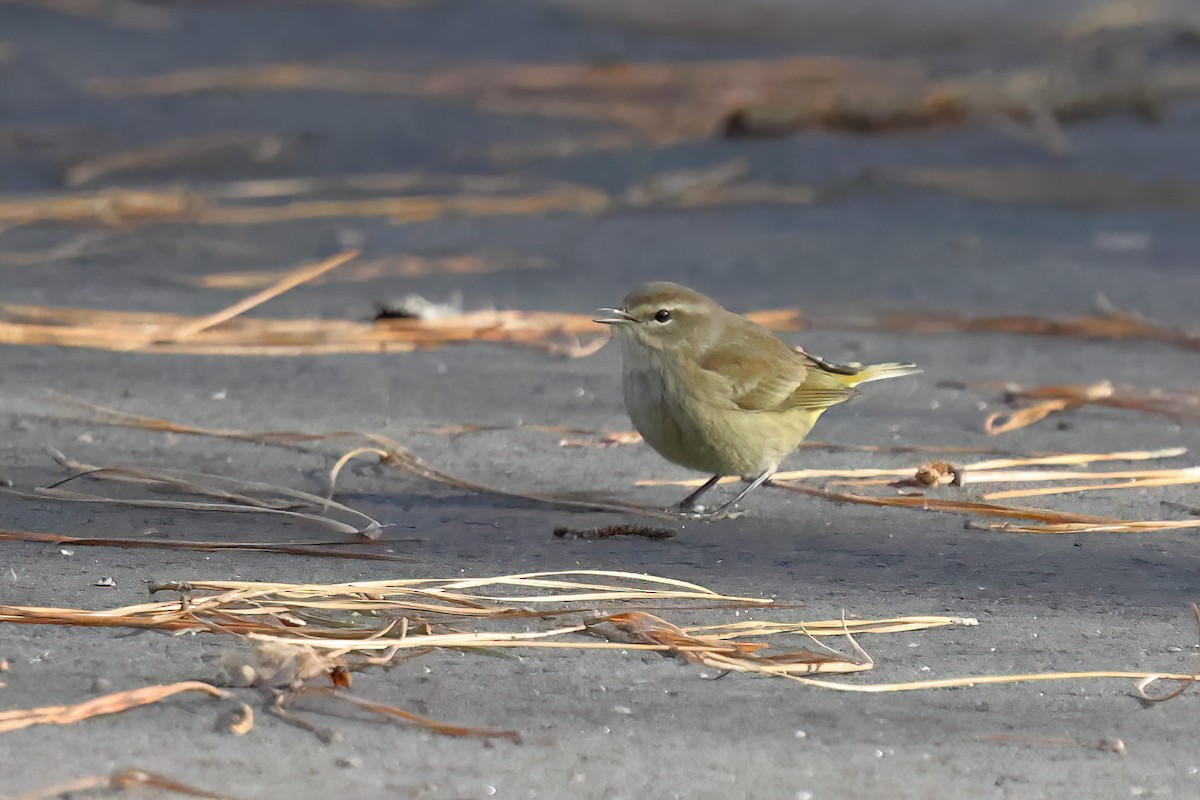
684, 416
670, 413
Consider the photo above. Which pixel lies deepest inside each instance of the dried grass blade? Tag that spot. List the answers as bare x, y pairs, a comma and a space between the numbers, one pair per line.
979, 680
314, 549
836, 627
392, 266
723, 653
516, 153
168, 480
689, 589
1181, 406
935, 474
1108, 325
951, 506
795, 475
401, 457
1038, 475
75, 247
1185, 477
443, 728
166, 621
1049, 400
108, 206
1083, 190
346, 459
117, 782
1005, 421
43, 493
189, 482
973, 472
456, 589
118, 13
485, 639
255, 148
686, 187
1115, 526
1068, 459
110, 416
113, 704
292, 280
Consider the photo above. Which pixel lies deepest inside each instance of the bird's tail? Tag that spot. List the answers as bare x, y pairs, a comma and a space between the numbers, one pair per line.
880, 372
852, 375
831, 384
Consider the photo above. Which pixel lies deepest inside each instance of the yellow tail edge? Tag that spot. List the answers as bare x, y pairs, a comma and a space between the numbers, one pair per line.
880, 372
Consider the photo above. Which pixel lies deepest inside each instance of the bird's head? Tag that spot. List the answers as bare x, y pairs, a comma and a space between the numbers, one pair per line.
665, 316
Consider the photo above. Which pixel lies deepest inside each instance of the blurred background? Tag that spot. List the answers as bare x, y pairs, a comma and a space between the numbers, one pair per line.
971, 156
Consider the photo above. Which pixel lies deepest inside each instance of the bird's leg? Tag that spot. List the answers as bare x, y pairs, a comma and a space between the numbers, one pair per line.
727, 510
688, 504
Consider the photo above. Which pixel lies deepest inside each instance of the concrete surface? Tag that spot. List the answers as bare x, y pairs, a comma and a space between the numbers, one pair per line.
1044, 603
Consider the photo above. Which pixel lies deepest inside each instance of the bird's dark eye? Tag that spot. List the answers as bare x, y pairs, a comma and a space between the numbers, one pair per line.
663, 315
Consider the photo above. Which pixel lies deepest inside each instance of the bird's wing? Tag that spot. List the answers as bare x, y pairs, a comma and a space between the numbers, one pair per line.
769, 376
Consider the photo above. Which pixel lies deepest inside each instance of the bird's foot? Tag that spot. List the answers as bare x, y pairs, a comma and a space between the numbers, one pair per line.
702, 514
685, 509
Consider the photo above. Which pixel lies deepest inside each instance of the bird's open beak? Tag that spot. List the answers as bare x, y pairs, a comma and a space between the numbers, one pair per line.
614, 316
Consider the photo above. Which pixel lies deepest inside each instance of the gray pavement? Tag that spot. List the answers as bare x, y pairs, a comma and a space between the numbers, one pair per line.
1044, 603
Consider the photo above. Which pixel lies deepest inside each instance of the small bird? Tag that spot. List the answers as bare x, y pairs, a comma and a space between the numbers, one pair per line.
714, 391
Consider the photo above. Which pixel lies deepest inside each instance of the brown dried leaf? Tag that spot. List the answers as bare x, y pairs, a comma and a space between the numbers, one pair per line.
275, 665
934, 473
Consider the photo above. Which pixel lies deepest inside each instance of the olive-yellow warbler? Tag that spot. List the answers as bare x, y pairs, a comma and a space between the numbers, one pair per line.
714, 391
